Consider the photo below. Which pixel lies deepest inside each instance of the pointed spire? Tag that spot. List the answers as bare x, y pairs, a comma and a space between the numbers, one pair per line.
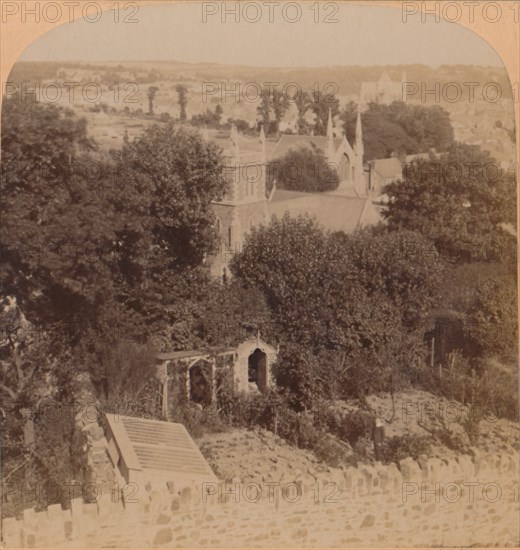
234, 141
330, 138
261, 137
262, 186
359, 175
262, 140
330, 133
359, 135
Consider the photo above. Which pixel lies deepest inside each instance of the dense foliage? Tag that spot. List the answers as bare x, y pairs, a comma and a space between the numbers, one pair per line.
399, 129
304, 169
358, 295
105, 263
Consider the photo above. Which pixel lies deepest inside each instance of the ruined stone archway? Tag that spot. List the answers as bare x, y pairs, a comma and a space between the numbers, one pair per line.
257, 369
200, 382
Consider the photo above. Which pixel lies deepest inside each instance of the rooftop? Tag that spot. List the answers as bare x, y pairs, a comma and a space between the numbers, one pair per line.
334, 210
158, 447
387, 168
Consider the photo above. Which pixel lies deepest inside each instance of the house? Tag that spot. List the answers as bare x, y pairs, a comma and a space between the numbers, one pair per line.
385, 91
198, 375
247, 204
381, 172
152, 451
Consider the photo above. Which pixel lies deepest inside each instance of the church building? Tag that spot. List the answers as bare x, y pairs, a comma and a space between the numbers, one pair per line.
248, 204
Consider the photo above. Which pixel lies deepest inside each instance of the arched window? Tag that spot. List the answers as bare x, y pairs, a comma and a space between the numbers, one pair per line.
218, 226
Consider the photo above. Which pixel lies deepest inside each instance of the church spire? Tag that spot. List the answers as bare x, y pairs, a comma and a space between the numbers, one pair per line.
330, 133
261, 139
330, 137
234, 141
358, 144
359, 173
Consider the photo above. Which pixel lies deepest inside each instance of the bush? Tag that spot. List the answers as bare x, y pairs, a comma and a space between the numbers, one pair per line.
196, 420
349, 426
331, 451
398, 447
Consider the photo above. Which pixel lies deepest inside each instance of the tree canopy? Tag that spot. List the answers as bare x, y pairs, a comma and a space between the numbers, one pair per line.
304, 169
399, 129
458, 200
354, 294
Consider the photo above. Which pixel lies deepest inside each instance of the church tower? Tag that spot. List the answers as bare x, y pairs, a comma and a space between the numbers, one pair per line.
245, 204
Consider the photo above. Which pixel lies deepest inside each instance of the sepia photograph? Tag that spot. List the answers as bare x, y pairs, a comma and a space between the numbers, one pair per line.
258, 282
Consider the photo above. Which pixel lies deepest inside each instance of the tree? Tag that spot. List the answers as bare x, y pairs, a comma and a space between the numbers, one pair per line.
182, 93
403, 265
399, 129
317, 105
152, 92
304, 169
58, 230
272, 107
218, 113
35, 371
171, 177
344, 294
455, 201
297, 373
208, 118
493, 316
321, 105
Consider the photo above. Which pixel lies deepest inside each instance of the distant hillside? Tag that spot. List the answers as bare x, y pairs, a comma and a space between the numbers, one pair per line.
348, 78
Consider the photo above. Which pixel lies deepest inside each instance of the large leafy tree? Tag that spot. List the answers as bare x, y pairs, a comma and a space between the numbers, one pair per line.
344, 293
171, 176
57, 229
399, 128
456, 200
304, 169
314, 106
493, 317
271, 109
403, 265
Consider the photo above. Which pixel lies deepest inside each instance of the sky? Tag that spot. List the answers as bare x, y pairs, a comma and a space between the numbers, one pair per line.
362, 35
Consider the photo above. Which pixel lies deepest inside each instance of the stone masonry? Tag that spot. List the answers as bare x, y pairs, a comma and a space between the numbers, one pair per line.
468, 501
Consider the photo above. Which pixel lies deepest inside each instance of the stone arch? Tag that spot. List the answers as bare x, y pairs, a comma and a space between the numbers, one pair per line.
200, 382
257, 369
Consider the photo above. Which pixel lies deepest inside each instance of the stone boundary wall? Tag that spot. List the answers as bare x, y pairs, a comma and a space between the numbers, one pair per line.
162, 516
99, 467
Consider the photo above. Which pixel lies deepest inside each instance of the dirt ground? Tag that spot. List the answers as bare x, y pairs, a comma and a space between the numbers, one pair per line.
259, 455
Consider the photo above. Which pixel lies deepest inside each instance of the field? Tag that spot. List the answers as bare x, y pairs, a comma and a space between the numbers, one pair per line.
114, 98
